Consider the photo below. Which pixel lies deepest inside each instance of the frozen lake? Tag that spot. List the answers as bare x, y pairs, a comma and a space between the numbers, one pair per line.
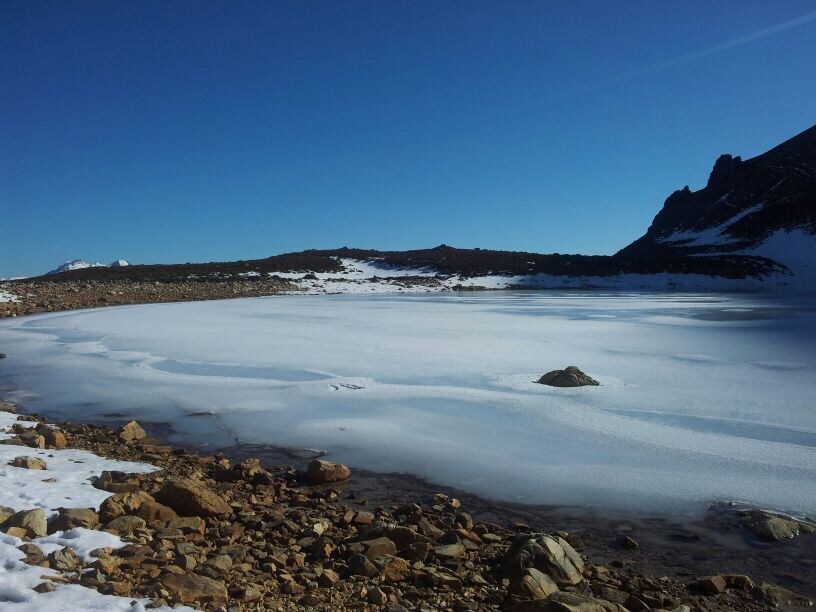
703, 397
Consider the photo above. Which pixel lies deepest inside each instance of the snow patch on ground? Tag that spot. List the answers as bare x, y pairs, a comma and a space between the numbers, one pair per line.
5, 296
23, 489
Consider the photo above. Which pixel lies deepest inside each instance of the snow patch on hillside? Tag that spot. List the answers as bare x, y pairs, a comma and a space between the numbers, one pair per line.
5, 296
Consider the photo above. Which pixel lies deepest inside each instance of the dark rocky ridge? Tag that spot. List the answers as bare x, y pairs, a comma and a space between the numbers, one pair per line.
773, 191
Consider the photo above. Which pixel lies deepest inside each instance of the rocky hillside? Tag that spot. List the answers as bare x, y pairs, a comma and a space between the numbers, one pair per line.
763, 206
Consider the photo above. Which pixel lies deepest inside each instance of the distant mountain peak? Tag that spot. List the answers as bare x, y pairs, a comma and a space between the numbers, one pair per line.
81, 264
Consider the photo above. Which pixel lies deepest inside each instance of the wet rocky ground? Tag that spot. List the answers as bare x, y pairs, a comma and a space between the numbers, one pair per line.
231, 530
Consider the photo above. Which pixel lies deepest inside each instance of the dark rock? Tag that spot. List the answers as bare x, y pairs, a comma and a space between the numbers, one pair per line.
568, 377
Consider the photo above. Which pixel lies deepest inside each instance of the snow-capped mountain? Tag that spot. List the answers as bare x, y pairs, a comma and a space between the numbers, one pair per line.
764, 207
80, 264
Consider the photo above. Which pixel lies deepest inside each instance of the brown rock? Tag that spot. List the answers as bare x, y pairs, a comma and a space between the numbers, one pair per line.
154, 511
191, 498
131, 432
64, 560
69, 518
122, 503
323, 472
534, 585
126, 524
550, 555
359, 565
190, 588
31, 522
54, 438
712, 585
28, 463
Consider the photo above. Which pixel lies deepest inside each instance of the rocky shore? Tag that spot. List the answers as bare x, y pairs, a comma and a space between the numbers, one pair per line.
33, 296
215, 535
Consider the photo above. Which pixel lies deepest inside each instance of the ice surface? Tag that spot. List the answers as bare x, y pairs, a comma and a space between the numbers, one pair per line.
703, 396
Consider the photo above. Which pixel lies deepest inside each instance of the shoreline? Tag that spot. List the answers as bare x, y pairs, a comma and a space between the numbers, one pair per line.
605, 544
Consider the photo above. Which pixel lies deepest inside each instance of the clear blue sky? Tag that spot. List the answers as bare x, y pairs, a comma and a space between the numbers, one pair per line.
164, 131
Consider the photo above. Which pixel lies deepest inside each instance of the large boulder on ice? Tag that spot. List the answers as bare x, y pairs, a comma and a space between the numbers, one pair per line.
568, 377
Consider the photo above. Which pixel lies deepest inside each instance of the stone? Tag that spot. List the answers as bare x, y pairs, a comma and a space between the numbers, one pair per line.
54, 438
45, 587
359, 565
535, 585
152, 510
64, 560
377, 597
220, 563
5, 512
711, 585
191, 498
28, 463
448, 552
323, 472
550, 555
627, 543
32, 552
568, 377
69, 518
778, 596
393, 569
739, 581
377, 547
126, 524
122, 503
774, 527
566, 602
31, 522
190, 588
131, 432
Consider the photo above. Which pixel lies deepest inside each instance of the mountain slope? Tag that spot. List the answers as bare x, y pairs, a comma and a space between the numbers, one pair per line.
764, 206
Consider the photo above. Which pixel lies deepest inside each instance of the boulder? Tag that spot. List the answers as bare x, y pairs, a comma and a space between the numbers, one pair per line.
30, 522
190, 588
548, 554
29, 463
191, 498
122, 503
154, 511
568, 377
69, 518
774, 527
124, 525
778, 596
64, 560
534, 585
54, 438
323, 472
131, 432
359, 565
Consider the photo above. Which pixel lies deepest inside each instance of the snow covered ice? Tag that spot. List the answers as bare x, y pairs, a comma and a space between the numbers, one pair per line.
702, 396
